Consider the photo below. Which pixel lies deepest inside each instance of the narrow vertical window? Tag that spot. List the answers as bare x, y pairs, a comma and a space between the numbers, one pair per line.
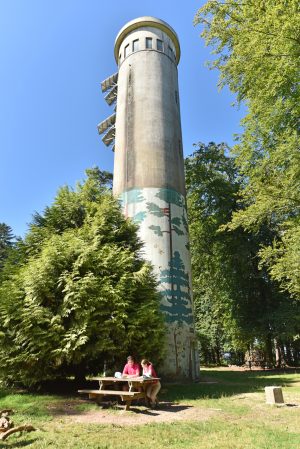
135, 45
171, 53
148, 42
176, 97
126, 50
180, 148
159, 45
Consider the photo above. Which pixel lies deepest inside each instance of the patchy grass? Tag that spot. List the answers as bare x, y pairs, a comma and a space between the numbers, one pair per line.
241, 419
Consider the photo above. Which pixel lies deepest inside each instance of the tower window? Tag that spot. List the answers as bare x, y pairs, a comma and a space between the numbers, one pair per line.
176, 97
159, 45
148, 42
135, 45
171, 53
126, 51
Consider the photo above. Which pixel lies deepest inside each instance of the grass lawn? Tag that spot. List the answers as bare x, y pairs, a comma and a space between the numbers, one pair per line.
237, 417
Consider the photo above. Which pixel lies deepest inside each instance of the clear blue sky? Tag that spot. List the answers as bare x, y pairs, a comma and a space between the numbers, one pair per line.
54, 54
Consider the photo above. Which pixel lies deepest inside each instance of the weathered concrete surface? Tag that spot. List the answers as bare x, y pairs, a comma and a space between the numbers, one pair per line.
274, 395
148, 130
149, 175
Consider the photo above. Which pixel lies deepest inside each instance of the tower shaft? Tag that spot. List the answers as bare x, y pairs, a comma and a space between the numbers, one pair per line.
149, 174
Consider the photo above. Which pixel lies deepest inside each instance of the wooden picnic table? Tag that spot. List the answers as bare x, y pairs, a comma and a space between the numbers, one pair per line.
136, 388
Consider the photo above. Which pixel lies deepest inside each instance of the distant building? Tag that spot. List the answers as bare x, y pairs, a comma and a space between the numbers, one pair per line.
145, 133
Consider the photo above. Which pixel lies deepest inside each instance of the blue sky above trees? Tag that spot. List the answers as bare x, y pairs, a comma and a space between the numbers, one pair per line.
54, 54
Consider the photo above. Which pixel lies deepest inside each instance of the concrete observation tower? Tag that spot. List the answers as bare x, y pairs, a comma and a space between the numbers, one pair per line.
145, 133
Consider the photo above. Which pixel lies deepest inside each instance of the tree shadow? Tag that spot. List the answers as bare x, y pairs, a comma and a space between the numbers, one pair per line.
4, 392
164, 406
215, 384
16, 444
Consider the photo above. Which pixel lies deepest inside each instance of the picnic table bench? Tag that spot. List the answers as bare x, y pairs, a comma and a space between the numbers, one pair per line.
126, 396
134, 383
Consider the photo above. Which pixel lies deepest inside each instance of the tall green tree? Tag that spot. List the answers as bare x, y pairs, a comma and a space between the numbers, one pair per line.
7, 239
83, 294
237, 304
257, 50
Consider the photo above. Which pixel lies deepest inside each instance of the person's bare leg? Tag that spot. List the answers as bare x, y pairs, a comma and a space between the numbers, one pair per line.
154, 390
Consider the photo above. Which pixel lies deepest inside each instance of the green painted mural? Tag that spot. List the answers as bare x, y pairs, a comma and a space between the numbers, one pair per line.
179, 307
139, 217
132, 196
162, 219
171, 196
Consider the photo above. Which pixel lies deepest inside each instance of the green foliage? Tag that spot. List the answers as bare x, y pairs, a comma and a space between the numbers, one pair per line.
83, 293
6, 242
211, 186
170, 196
236, 303
283, 258
258, 55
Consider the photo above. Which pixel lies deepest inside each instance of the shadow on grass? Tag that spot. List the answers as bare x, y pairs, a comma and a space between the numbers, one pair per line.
217, 383
15, 444
162, 407
140, 408
4, 392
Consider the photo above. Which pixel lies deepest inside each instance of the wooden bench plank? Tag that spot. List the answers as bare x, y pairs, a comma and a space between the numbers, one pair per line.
113, 393
126, 396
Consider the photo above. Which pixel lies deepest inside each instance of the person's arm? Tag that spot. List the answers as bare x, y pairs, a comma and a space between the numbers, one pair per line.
125, 371
152, 371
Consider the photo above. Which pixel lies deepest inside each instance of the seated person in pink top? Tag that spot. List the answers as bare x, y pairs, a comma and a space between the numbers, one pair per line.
131, 369
155, 386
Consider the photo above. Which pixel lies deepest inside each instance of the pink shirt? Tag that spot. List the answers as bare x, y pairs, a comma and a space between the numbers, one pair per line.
150, 371
131, 370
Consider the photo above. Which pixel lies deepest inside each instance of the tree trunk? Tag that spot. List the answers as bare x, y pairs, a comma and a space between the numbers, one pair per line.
79, 373
217, 353
278, 358
283, 352
289, 354
269, 351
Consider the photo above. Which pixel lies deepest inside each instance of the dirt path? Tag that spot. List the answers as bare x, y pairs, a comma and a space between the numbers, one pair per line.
138, 415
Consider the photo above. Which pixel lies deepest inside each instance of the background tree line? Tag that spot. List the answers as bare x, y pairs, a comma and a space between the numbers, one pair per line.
239, 307
257, 53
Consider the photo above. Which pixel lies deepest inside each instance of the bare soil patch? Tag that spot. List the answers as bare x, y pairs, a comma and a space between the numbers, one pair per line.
138, 414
